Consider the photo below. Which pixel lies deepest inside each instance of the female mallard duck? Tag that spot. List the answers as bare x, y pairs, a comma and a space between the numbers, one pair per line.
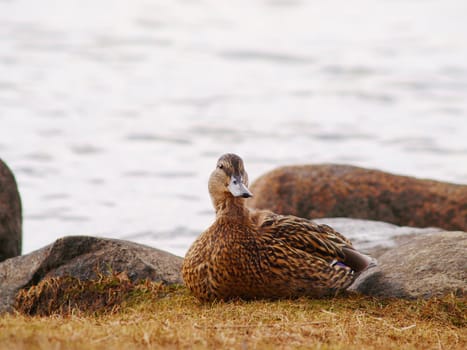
258, 254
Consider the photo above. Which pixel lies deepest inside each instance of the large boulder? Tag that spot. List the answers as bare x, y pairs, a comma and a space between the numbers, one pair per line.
424, 266
316, 191
84, 258
10, 214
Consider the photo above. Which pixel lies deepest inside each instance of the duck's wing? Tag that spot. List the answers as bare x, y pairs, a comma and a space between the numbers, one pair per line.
312, 238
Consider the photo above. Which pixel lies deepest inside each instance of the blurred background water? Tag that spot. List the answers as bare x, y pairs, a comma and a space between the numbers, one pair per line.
114, 112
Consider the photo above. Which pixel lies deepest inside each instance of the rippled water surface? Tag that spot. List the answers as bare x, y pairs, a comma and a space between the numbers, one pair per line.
113, 113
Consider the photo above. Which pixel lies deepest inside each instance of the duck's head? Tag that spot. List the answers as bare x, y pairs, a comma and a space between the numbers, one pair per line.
229, 179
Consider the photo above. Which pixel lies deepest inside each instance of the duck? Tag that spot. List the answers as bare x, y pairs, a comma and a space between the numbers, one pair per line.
258, 254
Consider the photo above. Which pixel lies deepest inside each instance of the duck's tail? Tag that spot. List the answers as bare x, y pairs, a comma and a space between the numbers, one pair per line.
357, 261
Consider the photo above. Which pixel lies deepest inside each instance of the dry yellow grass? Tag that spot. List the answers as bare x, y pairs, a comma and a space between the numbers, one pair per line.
153, 316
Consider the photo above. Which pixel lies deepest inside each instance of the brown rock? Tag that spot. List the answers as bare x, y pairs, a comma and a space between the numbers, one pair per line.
427, 265
316, 191
84, 258
10, 214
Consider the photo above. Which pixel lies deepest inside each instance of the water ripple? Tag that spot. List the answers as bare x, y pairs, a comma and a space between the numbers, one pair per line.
85, 149
179, 231
145, 137
114, 41
164, 174
272, 57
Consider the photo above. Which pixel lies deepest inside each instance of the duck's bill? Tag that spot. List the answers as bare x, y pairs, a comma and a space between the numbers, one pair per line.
238, 188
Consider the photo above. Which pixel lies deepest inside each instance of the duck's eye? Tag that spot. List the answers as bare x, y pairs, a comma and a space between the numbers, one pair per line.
221, 166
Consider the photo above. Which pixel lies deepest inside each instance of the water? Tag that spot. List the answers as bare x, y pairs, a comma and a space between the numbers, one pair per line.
113, 113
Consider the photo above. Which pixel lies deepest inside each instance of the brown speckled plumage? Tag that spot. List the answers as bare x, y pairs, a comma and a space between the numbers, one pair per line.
258, 254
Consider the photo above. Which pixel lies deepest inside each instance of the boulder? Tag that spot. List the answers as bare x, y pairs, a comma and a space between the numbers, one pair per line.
85, 258
10, 214
316, 191
422, 267
374, 237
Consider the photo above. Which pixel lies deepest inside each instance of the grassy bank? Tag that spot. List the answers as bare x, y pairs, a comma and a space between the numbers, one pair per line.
148, 315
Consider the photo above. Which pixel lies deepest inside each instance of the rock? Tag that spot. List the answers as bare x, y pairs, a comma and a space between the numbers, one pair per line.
374, 237
10, 214
84, 258
316, 191
426, 266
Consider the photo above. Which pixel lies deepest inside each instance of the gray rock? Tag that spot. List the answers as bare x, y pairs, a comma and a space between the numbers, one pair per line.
426, 266
10, 214
84, 257
374, 237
